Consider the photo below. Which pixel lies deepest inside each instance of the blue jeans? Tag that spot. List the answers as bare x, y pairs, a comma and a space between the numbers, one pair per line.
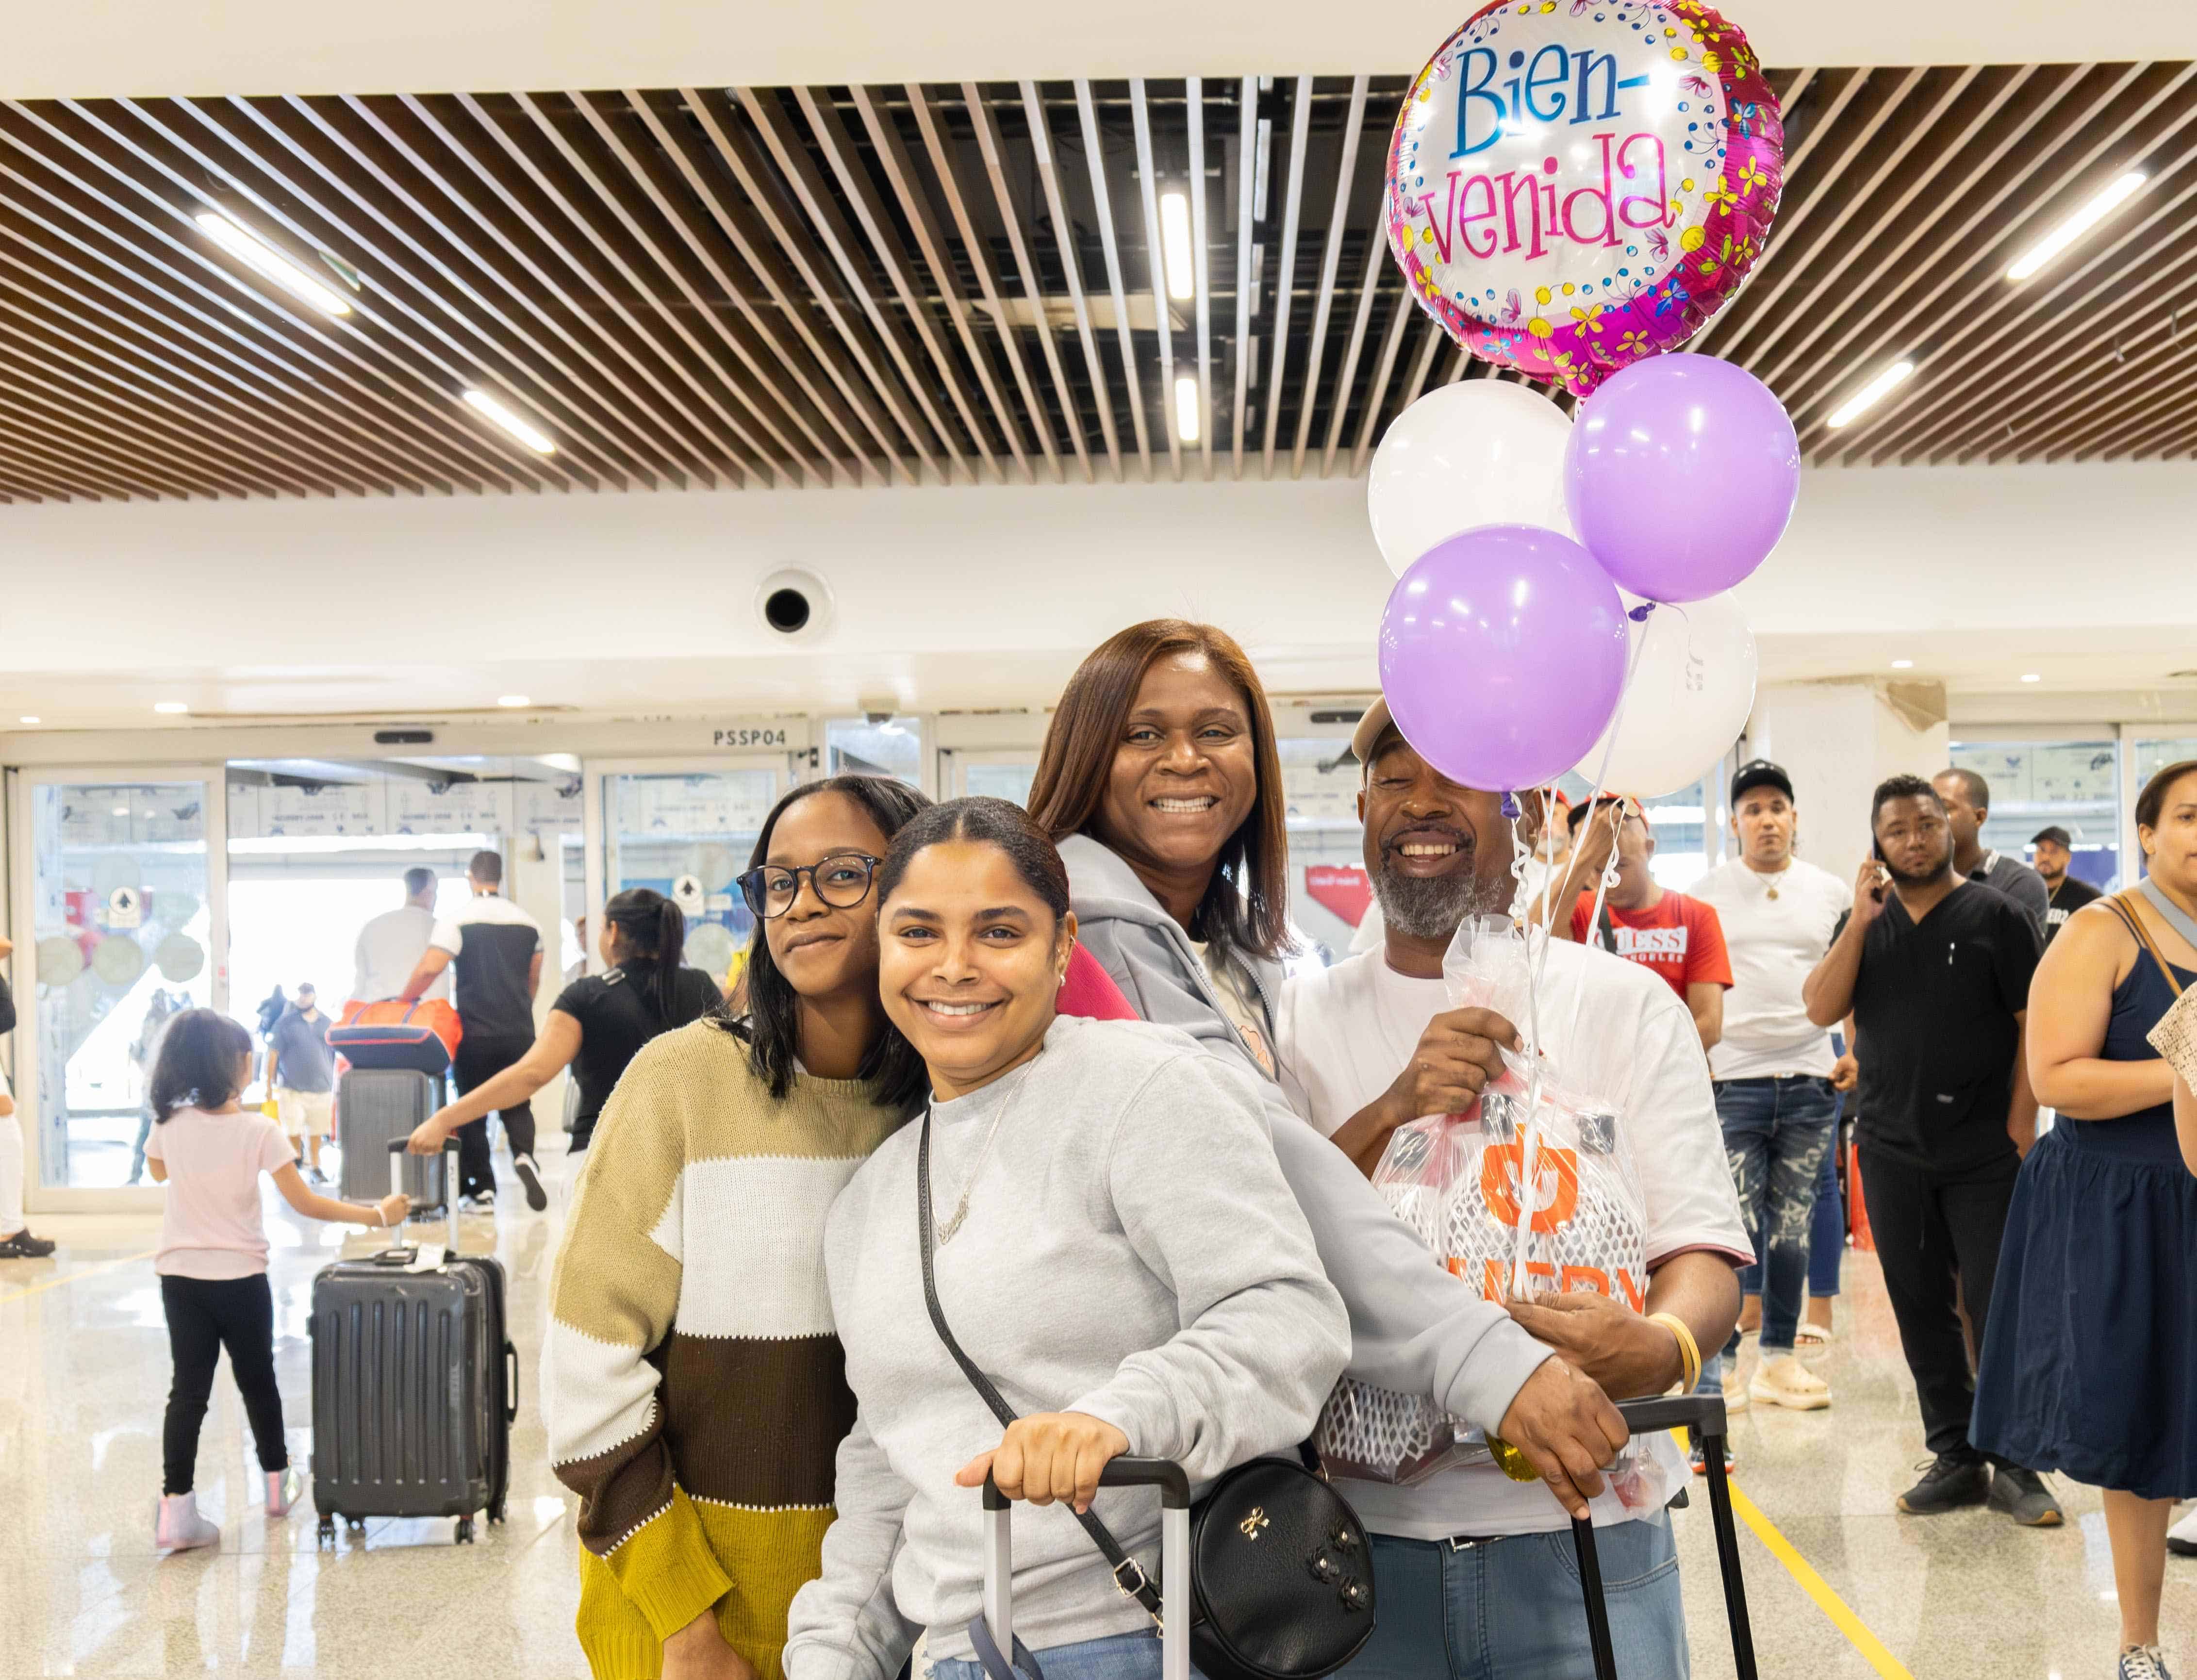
1776, 1134
1827, 1231
1512, 1609
1121, 1656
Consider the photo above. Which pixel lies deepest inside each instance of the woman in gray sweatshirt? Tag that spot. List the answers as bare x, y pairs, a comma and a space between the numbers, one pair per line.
1161, 781
1116, 1249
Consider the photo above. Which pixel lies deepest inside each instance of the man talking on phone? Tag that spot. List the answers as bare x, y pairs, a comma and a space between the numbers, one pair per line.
1935, 970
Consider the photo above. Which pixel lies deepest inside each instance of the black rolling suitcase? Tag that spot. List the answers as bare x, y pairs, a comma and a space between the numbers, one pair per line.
376, 1107
1704, 1415
415, 1384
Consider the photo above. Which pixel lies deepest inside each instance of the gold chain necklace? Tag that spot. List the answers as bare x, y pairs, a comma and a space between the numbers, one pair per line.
951, 1222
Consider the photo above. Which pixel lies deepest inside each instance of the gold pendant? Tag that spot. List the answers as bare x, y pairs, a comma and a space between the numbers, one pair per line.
1773, 892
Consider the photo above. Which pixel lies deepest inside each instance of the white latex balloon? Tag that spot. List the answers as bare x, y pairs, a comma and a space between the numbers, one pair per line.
1691, 690
1481, 452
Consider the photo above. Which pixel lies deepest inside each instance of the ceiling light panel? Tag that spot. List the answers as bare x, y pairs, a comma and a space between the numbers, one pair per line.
2105, 204
269, 263
524, 430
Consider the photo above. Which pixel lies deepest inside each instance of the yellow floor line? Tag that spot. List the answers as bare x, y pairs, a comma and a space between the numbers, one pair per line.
61, 1278
1841, 1614
1856, 1630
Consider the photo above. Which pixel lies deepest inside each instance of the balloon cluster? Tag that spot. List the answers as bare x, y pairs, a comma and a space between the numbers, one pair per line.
1510, 652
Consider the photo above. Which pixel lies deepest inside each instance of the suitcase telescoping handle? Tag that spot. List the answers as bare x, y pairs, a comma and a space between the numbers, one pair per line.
397, 1151
1127, 1471
1704, 1415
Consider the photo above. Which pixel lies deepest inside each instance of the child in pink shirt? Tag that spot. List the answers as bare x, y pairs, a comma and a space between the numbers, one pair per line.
212, 1259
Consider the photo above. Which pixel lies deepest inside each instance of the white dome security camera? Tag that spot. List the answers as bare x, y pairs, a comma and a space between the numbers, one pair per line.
795, 605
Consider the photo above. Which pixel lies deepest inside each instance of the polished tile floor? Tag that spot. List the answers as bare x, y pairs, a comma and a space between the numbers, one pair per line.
84, 1373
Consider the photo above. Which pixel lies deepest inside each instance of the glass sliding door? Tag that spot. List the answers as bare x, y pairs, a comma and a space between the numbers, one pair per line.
687, 830
124, 902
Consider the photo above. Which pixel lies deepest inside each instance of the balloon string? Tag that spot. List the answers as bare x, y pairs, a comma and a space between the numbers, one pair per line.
1529, 1153
1602, 779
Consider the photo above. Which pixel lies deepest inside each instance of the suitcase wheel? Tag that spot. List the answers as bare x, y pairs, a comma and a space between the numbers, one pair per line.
496, 1513
357, 1525
325, 1535
465, 1536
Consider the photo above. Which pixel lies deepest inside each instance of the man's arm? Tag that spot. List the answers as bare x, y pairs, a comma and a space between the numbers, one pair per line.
1450, 1065
1625, 1351
534, 977
2022, 1112
1827, 992
1705, 1003
432, 961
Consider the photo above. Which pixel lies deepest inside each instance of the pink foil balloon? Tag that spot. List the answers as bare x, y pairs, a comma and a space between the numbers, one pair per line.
1575, 184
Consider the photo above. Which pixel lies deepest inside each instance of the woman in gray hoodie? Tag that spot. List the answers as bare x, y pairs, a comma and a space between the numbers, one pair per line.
1115, 1248
1161, 783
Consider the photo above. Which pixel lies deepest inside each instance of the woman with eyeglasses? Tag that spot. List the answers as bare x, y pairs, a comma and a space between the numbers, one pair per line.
693, 1383
599, 1023
1112, 1246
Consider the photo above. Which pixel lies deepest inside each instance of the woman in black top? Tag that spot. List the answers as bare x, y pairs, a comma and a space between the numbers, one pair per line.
599, 1022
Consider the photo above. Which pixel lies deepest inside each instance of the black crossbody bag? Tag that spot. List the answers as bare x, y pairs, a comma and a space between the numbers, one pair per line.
1281, 1572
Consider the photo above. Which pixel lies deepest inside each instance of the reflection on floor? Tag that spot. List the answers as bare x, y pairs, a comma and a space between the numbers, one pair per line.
83, 1373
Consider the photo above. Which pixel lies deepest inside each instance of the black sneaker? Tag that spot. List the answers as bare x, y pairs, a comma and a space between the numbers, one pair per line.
24, 1246
1948, 1483
2023, 1496
530, 1176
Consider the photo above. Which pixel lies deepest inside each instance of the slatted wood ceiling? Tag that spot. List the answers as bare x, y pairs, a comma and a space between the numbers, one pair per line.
847, 286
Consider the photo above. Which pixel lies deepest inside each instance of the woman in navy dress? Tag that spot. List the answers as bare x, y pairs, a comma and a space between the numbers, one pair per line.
2090, 1358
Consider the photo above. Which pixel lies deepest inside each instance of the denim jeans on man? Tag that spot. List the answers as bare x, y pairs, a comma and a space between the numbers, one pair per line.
1512, 1608
1776, 1134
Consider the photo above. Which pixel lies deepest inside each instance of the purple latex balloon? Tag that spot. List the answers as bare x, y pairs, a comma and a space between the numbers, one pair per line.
1681, 476
1502, 655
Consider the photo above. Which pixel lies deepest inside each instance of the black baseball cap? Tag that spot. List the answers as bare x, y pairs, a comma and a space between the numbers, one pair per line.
1759, 773
2057, 835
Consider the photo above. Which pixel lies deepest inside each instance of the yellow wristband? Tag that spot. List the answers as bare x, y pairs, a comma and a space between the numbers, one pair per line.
1689, 1351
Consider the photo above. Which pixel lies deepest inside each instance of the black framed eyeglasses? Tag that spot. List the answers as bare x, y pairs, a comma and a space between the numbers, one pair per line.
842, 881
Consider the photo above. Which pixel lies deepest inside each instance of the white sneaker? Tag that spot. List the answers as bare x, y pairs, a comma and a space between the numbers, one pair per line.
284, 1489
1785, 1382
2182, 1538
177, 1527
2143, 1662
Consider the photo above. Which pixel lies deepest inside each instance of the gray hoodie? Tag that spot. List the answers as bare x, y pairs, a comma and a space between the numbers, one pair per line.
1413, 1327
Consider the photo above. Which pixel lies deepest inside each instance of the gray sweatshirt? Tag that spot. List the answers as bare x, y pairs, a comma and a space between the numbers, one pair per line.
1130, 1251
1413, 1327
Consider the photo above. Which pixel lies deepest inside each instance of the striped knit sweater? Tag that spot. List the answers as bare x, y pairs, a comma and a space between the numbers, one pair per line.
694, 1388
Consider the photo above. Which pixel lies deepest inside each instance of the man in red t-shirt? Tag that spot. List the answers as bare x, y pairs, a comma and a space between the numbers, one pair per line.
1677, 937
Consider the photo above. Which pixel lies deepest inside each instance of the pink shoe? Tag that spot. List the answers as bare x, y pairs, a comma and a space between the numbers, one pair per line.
284, 1489
179, 1528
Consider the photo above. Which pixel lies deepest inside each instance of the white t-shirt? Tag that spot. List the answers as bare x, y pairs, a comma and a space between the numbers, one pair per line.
390, 947
1347, 1032
1773, 943
210, 1227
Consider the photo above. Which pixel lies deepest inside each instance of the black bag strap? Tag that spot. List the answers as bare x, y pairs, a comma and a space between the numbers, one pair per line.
1128, 1574
1606, 932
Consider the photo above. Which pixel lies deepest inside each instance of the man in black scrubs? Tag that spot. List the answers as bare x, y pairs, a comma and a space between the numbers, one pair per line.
1935, 970
2054, 849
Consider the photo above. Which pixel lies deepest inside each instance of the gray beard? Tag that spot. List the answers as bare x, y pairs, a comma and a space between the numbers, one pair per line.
1432, 908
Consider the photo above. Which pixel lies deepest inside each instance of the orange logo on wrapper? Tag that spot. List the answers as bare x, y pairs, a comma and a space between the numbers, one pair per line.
1555, 1199
1554, 1202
